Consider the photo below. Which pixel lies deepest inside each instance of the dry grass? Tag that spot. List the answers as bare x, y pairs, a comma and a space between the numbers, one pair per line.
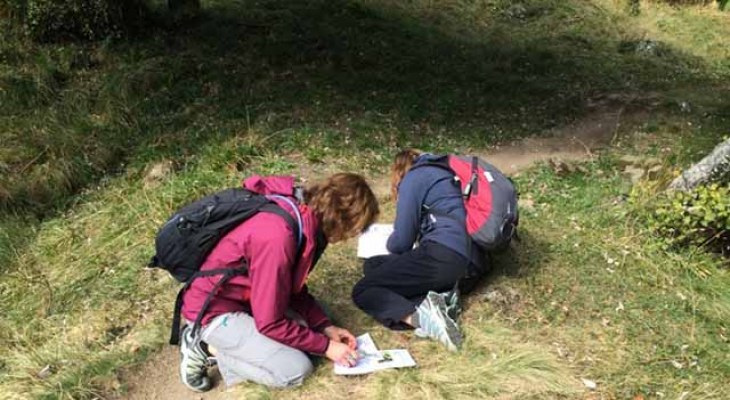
496, 362
376, 75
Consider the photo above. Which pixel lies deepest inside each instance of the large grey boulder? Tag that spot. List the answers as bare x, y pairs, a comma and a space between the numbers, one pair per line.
713, 168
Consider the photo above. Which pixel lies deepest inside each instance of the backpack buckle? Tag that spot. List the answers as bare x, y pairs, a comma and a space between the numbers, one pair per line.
469, 186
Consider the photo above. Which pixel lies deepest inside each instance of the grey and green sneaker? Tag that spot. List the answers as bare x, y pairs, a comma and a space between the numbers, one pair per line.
435, 323
193, 363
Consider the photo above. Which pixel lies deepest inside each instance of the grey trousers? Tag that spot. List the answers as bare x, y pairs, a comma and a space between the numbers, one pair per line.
244, 354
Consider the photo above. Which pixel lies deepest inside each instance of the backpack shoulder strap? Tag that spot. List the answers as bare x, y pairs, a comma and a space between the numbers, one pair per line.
296, 226
226, 273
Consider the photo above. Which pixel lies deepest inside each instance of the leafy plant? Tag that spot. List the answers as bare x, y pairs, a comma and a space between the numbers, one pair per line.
700, 217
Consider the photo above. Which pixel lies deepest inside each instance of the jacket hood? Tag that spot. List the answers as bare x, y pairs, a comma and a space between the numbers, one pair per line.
281, 185
427, 158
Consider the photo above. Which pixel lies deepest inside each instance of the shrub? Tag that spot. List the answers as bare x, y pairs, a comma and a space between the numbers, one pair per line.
700, 217
691, 2
11, 8
633, 5
53, 20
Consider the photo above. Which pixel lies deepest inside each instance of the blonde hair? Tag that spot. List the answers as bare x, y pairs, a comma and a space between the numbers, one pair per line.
345, 205
401, 164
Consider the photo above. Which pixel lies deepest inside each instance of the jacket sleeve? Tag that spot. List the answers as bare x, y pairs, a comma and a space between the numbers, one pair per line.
270, 271
408, 215
304, 304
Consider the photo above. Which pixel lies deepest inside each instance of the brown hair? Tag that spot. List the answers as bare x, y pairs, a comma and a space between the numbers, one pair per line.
401, 164
344, 204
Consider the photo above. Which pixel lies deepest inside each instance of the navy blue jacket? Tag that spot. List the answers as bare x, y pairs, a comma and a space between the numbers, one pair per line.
435, 188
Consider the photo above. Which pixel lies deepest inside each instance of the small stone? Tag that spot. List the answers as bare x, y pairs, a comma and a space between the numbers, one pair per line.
590, 384
685, 107
634, 173
527, 204
158, 173
517, 11
654, 172
651, 162
627, 160
45, 372
494, 296
561, 167
647, 47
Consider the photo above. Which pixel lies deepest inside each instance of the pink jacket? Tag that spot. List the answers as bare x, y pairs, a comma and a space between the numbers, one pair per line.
274, 284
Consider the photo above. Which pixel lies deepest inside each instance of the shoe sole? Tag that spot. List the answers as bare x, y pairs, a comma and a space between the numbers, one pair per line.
452, 330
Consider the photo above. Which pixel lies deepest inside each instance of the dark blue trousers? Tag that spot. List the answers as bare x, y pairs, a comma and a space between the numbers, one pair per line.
393, 285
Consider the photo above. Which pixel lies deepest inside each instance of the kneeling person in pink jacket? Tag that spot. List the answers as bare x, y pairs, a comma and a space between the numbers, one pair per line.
260, 326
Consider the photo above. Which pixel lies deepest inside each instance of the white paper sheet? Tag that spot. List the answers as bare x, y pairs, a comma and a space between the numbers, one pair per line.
372, 359
373, 241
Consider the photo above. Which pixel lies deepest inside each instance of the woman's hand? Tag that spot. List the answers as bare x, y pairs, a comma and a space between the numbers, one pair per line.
340, 335
341, 354
342, 346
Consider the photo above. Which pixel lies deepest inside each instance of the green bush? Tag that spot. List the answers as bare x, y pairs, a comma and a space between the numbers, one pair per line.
53, 20
700, 217
691, 2
11, 8
634, 6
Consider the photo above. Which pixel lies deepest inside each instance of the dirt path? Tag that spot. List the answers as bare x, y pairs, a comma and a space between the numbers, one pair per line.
158, 379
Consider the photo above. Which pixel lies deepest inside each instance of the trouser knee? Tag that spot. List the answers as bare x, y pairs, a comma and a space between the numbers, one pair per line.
294, 375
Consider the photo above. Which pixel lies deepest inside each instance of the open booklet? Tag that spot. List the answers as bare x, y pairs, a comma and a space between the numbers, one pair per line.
373, 241
372, 359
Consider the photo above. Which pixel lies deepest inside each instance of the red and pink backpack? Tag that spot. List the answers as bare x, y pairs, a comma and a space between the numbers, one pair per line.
490, 200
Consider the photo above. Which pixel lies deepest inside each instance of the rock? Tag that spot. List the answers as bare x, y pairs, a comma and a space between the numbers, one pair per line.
158, 173
494, 296
634, 173
503, 298
651, 162
45, 372
654, 172
643, 47
590, 384
563, 168
685, 107
647, 47
713, 168
629, 160
517, 11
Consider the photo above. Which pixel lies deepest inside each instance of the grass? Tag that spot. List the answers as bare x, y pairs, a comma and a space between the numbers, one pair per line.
273, 87
472, 73
645, 320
